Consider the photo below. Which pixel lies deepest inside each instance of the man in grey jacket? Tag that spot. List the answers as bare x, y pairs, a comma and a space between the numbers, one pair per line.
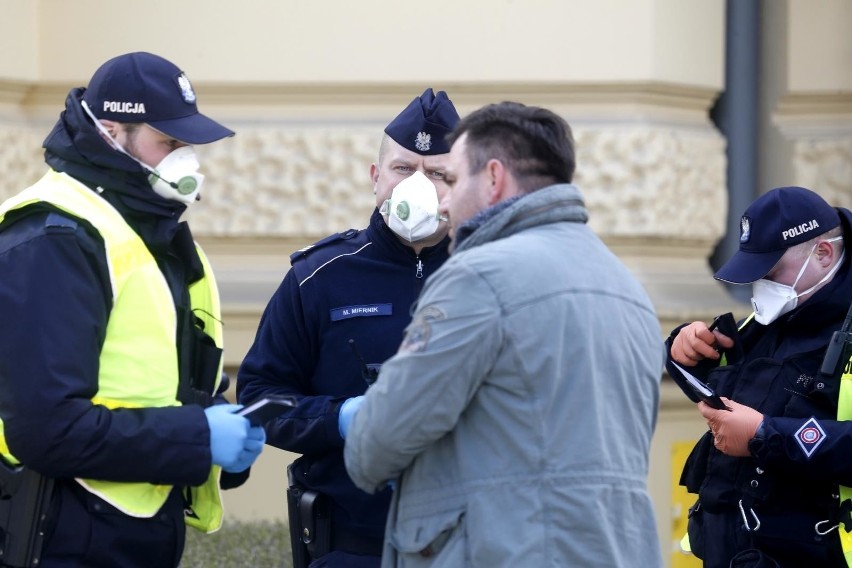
515, 420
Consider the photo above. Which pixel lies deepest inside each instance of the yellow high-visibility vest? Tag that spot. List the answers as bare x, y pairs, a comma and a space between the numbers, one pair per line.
844, 412
139, 359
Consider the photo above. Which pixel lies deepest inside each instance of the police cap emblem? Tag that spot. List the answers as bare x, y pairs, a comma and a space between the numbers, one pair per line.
186, 89
423, 141
745, 229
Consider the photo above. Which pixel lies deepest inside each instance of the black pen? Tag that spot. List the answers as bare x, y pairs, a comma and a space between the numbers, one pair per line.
711, 328
714, 324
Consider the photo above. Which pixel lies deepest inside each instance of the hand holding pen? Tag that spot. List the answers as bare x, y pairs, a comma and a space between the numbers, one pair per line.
698, 341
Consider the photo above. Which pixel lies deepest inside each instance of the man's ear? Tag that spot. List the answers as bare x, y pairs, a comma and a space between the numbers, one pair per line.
502, 183
825, 253
111, 126
374, 175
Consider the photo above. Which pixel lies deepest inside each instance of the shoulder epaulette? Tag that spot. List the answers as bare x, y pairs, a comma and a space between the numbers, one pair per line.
59, 221
304, 252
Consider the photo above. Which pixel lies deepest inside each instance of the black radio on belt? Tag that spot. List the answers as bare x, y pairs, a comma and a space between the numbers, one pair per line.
838, 350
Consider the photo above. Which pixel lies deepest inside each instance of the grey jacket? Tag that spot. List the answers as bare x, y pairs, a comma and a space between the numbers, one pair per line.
517, 416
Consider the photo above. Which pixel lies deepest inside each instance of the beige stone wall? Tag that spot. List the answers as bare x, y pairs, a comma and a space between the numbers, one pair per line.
308, 86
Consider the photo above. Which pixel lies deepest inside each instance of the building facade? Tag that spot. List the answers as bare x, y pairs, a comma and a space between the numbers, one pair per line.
308, 87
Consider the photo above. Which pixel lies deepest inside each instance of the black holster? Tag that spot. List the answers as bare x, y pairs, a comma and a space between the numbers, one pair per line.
310, 524
24, 500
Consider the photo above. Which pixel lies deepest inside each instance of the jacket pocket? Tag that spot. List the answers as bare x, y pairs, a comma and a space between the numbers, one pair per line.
695, 530
695, 468
439, 539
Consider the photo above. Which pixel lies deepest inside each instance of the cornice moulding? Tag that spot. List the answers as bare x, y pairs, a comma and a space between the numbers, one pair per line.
815, 115
14, 92
381, 94
837, 103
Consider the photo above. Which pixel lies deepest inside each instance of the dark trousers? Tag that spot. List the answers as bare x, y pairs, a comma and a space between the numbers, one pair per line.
786, 537
85, 531
340, 559
350, 550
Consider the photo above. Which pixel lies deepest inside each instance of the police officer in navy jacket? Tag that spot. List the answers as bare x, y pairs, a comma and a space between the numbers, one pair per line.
768, 471
341, 311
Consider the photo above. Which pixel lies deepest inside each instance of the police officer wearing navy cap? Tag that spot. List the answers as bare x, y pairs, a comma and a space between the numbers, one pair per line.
770, 473
110, 335
339, 313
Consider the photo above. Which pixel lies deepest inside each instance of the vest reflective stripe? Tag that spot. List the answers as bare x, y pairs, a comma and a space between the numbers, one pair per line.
138, 361
844, 412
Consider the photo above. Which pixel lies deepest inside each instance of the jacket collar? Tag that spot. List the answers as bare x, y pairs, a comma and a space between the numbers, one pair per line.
551, 204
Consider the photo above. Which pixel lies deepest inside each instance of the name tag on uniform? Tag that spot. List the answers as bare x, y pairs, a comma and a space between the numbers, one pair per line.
347, 312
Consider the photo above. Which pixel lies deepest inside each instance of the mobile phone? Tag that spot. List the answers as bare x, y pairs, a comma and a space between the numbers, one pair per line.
265, 409
699, 388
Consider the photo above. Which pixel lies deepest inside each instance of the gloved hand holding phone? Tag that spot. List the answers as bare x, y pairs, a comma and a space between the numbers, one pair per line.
234, 443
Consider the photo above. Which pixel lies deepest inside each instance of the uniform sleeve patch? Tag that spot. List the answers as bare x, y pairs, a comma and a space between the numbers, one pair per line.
368, 310
810, 436
419, 331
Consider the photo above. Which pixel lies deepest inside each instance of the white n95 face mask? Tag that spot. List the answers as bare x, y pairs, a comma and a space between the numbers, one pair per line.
176, 176
412, 210
771, 300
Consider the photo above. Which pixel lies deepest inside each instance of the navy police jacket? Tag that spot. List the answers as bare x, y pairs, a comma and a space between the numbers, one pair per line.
343, 305
790, 481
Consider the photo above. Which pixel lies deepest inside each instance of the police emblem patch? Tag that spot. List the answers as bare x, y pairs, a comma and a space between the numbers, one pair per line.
423, 141
745, 230
186, 89
810, 436
419, 331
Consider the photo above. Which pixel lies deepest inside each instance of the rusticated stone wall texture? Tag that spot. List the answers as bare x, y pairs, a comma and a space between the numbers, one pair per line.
21, 159
653, 182
825, 165
637, 182
287, 182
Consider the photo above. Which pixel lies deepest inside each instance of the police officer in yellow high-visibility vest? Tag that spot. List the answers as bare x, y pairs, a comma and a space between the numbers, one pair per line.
110, 327
771, 471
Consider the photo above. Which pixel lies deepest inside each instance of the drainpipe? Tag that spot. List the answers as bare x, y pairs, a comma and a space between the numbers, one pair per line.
736, 115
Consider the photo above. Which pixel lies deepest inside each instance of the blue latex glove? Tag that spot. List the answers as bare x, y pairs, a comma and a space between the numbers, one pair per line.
234, 444
347, 412
251, 449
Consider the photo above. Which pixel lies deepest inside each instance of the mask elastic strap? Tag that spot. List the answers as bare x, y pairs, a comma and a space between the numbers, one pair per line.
831, 272
802, 271
827, 276
113, 142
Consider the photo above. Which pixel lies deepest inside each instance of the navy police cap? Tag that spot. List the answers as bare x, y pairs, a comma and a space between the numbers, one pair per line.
143, 87
777, 220
424, 124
